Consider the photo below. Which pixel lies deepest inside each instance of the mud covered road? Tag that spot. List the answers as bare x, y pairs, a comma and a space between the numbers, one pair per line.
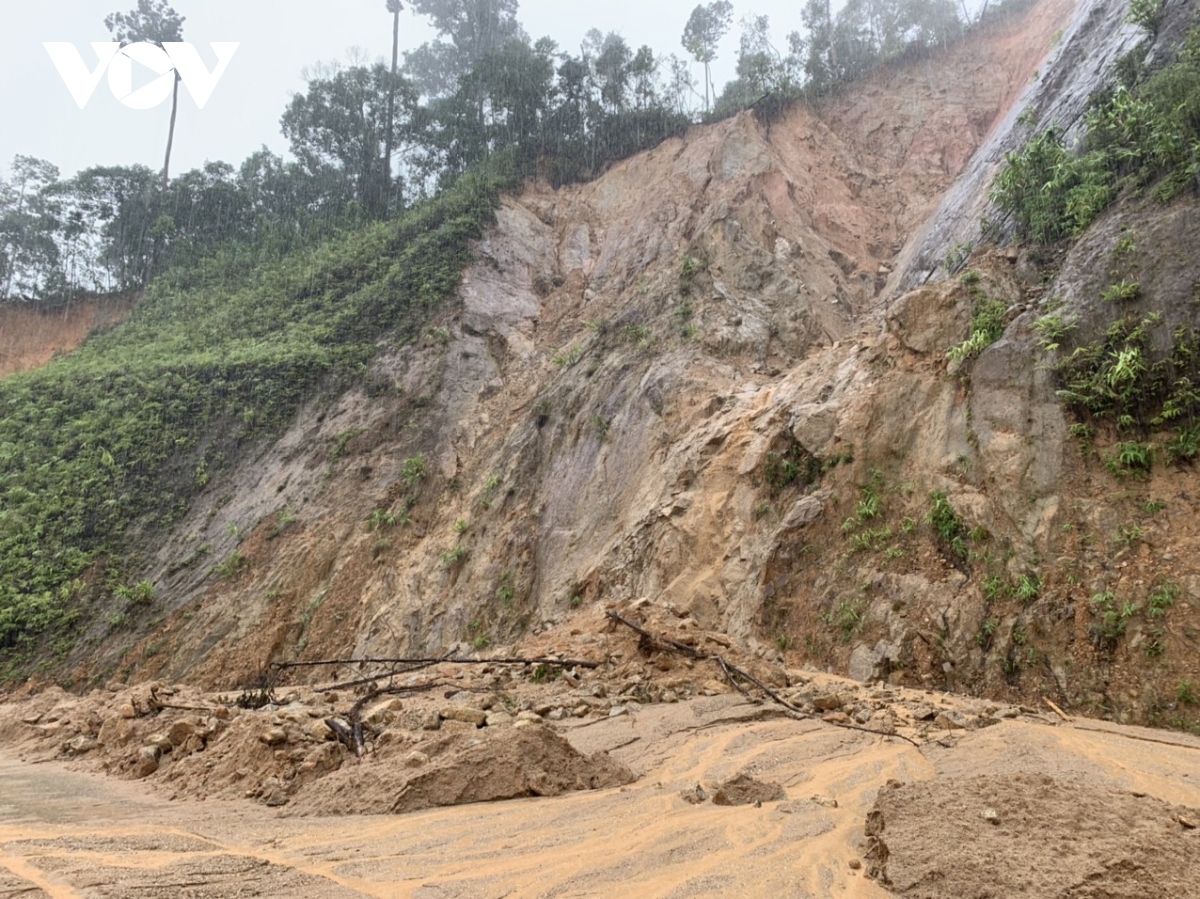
67, 833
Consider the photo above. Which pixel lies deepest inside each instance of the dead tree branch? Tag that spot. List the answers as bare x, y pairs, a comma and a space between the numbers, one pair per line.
450, 660
736, 675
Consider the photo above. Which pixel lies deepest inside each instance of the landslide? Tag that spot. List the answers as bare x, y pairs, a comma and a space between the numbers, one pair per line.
30, 337
596, 418
695, 382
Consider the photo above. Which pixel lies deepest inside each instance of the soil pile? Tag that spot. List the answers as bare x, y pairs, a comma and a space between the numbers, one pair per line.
746, 790
507, 763
1031, 835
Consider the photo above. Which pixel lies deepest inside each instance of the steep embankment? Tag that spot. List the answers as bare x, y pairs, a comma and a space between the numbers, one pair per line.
610, 413
694, 381
31, 337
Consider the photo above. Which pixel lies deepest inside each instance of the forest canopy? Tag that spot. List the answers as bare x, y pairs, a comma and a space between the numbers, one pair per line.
367, 140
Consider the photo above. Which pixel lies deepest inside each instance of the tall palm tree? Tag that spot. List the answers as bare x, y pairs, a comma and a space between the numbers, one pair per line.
394, 7
152, 23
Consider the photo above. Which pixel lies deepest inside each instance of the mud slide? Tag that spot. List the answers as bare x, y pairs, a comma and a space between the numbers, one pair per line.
986, 812
30, 337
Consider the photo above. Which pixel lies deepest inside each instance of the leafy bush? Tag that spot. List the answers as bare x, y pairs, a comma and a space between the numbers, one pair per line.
1144, 130
949, 527
1028, 588
987, 326
1123, 291
1161, 598
1186, 693
1052, 329
1146, 14
794, 466
1112, 619
849, 616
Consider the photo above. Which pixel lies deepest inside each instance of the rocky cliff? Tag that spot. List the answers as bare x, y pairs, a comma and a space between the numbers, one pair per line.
715, 380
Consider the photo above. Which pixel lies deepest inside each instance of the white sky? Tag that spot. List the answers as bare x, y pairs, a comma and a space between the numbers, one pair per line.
278, 38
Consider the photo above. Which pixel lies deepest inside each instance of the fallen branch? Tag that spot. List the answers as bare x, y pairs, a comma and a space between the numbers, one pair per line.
733, 674
450, 660
665, 642
1061, 714
157, 705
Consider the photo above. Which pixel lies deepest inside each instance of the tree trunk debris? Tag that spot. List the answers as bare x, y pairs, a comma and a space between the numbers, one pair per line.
737, 677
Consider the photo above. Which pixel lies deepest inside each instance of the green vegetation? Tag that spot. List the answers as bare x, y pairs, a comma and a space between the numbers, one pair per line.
1028, 588
1161, 598
453, 557
506, 590
848, 616
139, 594
489, 492
1116, 380
794, 466
1130, 534
1112, 618
1122, 292
601, 426
111, 435
565, 358
987, 631
948, 526
286, 519
234, 565
1146, 14
543, 672
1143, 131
1052, 329
412, 470
381, 518
342, 441
1186, 693
987, 323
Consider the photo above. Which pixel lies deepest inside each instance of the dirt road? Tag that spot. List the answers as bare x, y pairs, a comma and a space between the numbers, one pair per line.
66, 833
71, 834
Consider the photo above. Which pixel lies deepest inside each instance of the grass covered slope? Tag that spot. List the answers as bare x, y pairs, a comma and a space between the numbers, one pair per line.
118, 437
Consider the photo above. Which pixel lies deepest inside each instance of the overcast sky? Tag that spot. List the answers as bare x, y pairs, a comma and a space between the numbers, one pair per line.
278, 39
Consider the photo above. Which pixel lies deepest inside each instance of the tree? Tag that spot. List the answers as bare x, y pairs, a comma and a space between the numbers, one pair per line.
761, 68
681, 86
28, 253
394, 7
609, 57
342, 124
820, 62
467, 31
152, 23
121, 203
704, 30
644, 72
503, 102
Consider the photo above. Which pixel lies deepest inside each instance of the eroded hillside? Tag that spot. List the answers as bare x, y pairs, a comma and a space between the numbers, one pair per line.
695, 382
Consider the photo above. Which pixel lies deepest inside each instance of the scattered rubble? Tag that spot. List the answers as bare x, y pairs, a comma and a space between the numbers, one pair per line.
450, 732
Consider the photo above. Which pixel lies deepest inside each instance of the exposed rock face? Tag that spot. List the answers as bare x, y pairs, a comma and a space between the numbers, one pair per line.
1057, 94
695, 383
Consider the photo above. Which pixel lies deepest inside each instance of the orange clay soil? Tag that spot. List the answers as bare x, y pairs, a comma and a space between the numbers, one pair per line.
1078, 806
